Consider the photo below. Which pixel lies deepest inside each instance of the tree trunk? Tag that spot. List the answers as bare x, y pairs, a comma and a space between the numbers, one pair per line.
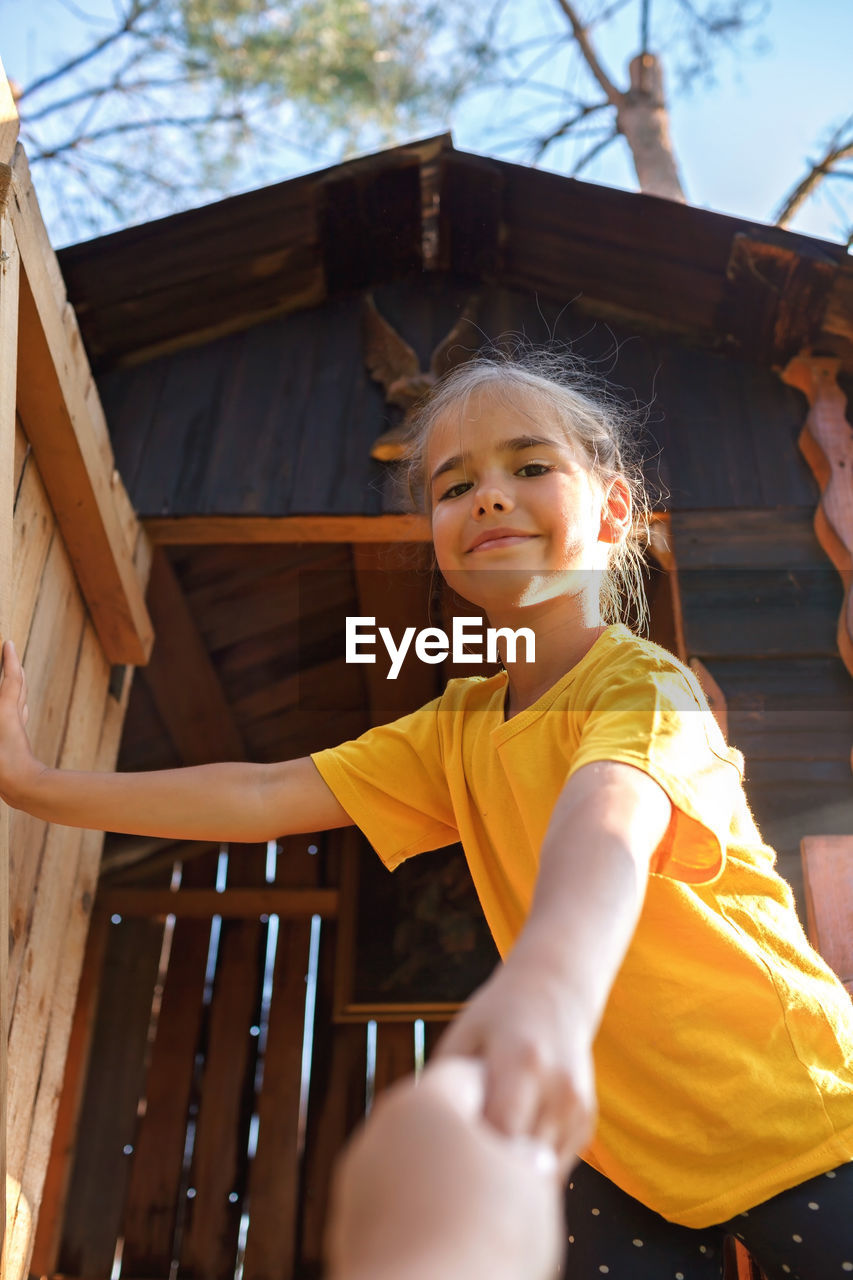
643, 121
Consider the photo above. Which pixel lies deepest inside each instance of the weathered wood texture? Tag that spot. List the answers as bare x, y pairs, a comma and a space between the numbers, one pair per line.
760, 605
62, 415
278, 421
69, 620
74, 723
221, 269
9, 456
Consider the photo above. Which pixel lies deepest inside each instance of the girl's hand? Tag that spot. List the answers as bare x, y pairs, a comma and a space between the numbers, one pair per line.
426, 1190
18, 765
537, 1054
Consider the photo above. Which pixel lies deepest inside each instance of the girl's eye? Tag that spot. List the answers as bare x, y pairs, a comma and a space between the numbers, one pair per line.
534, 469
455, 490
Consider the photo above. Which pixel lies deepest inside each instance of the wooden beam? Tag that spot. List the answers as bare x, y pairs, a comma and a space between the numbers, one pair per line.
9, 122
64, 422
181, 531
237, 904
9, 279
182, 679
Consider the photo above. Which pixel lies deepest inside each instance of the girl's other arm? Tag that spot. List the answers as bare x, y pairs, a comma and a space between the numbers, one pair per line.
534, 1022
245, 803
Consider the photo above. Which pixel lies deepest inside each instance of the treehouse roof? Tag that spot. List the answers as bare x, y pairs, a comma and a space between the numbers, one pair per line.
648, 263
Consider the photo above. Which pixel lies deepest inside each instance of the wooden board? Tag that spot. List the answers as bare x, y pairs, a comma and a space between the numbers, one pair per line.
208, 1246
108, 1115
153, 1208
65, 425
34, 530
183, 682
45, 963
274, 1172
8, 349
72, 1023
50, 672
395, 1054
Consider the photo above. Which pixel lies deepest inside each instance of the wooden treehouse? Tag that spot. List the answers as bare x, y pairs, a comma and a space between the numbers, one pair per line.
189, 414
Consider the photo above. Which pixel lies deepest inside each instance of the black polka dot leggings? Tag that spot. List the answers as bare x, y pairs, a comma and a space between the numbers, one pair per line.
805, 1233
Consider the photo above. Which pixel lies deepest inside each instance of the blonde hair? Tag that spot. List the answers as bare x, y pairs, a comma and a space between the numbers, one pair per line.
591, 418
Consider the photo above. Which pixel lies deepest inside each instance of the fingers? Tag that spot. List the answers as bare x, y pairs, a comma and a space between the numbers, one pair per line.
458, 1082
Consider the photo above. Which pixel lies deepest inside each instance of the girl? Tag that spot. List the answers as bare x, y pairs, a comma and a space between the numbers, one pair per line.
652, 954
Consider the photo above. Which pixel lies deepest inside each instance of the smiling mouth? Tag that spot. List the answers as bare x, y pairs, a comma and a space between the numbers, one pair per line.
500, 541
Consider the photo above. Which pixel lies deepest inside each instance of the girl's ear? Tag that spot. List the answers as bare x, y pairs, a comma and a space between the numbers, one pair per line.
616, 512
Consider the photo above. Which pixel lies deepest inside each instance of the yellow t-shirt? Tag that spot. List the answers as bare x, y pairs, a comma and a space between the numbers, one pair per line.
724, 1061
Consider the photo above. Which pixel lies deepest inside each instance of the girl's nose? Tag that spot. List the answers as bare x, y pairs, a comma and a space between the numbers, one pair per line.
491, 498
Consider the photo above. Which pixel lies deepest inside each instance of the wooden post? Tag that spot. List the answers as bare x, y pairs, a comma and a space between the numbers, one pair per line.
9, 272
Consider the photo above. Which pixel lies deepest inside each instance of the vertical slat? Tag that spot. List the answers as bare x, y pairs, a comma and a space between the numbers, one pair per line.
50, 671
108, 1115
335, 1104
273, 1178
46, 962
151, 1208
9, 271
72, 1023
209, 1244
395, 1054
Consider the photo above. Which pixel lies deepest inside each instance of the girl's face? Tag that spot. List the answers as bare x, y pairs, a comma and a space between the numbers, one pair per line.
517, 517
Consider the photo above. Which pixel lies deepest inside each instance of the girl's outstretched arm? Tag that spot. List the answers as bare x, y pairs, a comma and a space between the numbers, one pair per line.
535, 1020
238, 802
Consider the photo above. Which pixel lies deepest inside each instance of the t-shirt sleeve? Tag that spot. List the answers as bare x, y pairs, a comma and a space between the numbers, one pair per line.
655, 717
391, 782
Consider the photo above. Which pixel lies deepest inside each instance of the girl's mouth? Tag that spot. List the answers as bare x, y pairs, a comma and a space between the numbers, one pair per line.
497, 539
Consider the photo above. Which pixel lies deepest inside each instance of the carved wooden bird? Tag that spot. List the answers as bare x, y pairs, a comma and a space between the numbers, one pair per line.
391, 361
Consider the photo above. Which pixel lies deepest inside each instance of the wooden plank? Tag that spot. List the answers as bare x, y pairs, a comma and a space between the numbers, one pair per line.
72, 1023
395, 1054
70, 442
235, 904
50, 672
828, 879
201, 530
9, 122
336, 1097
22, 453
44, 961
208, 1247
153, 1206
394, 588
34, 530
184, 684
9, 270
108, 1116
747, 539
274, 1172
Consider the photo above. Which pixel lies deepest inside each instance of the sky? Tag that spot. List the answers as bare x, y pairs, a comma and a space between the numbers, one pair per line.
742, 143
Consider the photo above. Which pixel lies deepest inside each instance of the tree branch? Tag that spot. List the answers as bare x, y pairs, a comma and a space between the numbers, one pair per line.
544, 143
594, 151
136, 11
839, 148
614, 95
135, 126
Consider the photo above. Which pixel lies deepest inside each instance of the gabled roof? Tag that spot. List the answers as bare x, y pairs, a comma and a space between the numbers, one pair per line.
720, 281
